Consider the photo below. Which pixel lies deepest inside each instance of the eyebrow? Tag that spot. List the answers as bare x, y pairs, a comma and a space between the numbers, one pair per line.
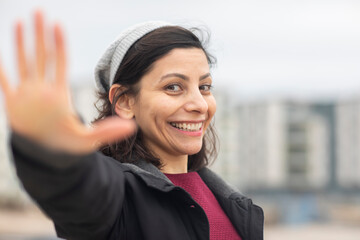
184, 77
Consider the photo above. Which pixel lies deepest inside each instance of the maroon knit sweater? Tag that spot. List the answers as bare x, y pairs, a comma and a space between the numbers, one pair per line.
220, 226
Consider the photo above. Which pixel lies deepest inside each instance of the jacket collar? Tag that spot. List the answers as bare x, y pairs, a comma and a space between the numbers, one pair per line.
153, 177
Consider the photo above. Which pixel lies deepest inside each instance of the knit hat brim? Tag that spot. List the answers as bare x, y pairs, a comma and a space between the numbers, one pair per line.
110, 61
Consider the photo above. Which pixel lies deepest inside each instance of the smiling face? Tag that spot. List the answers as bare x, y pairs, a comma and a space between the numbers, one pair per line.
175, 105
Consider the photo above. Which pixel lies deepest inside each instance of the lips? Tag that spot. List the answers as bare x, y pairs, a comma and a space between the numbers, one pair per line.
190, 127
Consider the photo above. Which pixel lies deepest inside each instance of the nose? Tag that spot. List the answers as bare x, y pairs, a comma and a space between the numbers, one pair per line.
196, 102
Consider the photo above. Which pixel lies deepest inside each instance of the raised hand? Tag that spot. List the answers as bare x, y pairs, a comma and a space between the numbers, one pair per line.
39, 108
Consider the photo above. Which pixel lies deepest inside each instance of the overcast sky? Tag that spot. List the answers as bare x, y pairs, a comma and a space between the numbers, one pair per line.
264, 47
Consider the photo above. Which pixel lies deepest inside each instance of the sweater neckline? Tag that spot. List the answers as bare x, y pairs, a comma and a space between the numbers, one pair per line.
181, 174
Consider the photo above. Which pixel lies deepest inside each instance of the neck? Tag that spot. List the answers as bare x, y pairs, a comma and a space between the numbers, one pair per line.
172, 162
175, 164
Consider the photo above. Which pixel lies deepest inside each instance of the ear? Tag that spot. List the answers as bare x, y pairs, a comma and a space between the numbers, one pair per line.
123, 107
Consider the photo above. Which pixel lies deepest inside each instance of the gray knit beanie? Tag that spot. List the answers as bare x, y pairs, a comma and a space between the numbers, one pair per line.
110, 61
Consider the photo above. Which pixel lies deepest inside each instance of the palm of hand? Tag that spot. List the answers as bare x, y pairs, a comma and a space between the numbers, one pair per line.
41, 110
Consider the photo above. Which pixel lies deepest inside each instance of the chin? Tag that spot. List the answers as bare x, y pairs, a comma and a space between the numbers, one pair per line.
193, 150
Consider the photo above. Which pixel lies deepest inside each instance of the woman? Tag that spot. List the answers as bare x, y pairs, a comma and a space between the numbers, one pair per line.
150, 181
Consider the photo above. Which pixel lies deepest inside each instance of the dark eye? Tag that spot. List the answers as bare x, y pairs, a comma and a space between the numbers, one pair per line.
173, 87
206, 87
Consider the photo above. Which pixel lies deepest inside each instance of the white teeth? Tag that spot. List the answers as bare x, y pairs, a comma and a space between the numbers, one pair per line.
192, 127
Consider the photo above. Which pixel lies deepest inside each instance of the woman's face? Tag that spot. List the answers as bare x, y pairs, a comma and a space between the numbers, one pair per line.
175, 105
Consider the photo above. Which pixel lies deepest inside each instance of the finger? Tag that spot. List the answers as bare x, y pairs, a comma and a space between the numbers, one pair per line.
40, 46
21, 58
110, 130
4, 84
60, 72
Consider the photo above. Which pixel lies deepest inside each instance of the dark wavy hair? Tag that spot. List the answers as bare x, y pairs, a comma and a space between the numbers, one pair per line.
138, 61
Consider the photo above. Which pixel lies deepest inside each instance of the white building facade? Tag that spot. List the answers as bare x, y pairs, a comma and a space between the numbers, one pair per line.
348, 143
280, 145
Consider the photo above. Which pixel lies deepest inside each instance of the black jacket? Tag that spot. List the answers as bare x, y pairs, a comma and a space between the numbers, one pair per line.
96, 197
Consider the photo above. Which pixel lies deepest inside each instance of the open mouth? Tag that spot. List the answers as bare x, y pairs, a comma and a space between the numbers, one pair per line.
189, 127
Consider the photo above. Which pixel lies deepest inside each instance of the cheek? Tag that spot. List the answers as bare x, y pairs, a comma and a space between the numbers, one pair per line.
211, 110
154, 109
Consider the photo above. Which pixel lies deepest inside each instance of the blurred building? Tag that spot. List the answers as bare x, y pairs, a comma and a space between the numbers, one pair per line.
309, 145
261, 150
225, 121
292, 145
277, 144
348, 144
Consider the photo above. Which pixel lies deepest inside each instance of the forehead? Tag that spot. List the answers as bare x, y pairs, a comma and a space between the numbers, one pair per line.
184, 60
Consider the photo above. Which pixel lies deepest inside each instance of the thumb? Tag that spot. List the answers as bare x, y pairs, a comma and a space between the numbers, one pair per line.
111, 129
